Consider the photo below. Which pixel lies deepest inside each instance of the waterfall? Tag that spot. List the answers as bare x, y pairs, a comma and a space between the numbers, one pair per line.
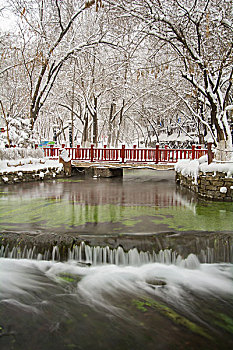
55, 254
104, 255
18, 253
96, 255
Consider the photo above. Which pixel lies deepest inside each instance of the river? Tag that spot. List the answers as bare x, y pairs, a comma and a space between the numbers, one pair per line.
123, 263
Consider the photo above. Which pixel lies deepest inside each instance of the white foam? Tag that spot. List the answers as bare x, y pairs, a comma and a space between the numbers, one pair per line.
95, 284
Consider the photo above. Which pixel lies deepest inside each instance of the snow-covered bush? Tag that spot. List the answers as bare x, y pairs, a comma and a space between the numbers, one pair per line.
19, 131
17, 153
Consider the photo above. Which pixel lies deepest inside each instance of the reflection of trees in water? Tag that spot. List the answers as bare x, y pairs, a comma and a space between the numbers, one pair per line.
185, 200
100, 193
140, 187
124, 195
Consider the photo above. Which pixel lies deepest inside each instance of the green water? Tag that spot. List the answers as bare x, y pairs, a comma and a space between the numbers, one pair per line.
63, 214
139, 203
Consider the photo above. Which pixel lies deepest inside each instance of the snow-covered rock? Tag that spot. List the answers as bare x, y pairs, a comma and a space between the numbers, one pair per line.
223, 190
65, 156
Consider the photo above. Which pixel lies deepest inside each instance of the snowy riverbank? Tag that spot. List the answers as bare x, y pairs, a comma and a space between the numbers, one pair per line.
193, 168
214, 181
28, 164
29, 169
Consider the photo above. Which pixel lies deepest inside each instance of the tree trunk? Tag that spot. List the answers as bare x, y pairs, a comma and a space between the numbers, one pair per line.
85, 130
119, 125
7, 126
95, 123
72, 109
110, 120
224, 138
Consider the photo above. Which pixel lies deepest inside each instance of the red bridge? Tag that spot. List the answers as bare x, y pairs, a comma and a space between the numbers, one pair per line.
122, 155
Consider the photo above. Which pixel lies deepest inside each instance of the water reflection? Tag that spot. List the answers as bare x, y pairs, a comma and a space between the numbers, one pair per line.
138, 187
143, 201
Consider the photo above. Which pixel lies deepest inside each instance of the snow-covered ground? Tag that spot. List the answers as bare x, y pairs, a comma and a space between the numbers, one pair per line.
27, 164
25, 159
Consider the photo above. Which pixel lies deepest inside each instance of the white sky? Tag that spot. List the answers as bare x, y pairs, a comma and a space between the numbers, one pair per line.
7, 19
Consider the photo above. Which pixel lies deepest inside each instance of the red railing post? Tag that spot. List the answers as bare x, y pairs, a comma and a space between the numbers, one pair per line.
52, 151
134, 152
157, 154
77, 152
193, 152
92, 153
144, 154
210, 153
105, 146
123, 154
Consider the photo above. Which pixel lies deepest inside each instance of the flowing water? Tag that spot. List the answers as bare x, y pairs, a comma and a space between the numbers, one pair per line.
126, 263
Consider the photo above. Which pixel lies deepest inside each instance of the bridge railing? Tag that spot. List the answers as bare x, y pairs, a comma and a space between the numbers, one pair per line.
138, 155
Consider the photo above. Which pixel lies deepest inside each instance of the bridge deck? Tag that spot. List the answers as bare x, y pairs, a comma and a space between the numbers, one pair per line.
130, 165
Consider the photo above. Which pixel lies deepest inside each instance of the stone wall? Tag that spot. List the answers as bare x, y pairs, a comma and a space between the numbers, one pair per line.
97, 171
48, 173
211, 185
30, 175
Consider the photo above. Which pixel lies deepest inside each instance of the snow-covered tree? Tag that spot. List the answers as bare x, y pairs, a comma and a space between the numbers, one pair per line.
120, 70
200, 33
45, 30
